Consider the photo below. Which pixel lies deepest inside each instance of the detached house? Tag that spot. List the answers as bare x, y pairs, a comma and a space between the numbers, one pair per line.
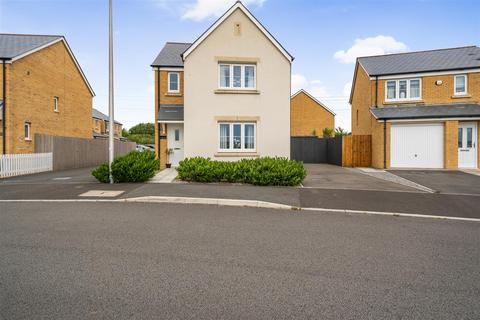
422, 109
226, 95
43, 90
100, 125
308, 116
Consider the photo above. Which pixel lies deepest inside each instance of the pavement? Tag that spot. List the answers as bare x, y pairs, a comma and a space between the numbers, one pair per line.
152, 261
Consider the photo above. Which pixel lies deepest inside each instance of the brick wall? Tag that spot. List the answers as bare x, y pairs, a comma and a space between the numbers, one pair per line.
450, 150
307, 116
361, 103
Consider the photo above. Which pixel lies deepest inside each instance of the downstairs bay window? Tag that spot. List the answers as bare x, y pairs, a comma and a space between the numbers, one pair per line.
237, 137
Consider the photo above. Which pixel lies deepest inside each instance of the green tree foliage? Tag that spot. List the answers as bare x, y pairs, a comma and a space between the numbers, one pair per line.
327, 132
142, 133
339, 132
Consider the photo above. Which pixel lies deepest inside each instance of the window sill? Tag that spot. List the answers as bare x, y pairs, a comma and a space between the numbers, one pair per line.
237, 154
28, 140
393, 102
173, 94
233, 91
461, 96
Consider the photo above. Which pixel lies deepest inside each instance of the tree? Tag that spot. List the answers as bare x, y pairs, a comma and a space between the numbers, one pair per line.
124, 133
142, 133
339, 132
327, 132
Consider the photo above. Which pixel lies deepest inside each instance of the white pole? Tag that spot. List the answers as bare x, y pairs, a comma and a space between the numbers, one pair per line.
110, 93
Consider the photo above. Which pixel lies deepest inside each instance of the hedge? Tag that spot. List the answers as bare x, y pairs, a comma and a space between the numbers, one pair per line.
132, 167
261, 171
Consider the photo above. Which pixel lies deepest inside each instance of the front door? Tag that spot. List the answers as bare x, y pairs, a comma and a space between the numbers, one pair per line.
175, 142
467, 145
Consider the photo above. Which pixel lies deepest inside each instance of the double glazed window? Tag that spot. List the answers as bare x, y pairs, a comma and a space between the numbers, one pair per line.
237, 136
460, 85
27, 131
174, 82
237, 76
405, 89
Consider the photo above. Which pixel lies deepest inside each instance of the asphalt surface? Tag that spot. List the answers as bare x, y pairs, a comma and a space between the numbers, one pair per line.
151, 261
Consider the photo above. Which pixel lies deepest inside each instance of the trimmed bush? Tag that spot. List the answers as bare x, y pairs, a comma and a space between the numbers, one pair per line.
132, 167
262, 171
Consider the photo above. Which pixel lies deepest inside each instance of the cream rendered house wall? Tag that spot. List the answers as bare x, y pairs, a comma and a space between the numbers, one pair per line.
203, 107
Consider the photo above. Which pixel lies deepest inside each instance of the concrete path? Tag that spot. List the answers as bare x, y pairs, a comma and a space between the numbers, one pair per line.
167, 175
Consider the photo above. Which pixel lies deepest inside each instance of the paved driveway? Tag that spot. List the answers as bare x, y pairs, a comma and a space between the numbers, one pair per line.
83, 175
443, 181
328, 176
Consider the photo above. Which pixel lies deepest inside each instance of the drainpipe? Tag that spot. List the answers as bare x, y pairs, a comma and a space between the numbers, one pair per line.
158, 111
376, 91
4, 97
385, 144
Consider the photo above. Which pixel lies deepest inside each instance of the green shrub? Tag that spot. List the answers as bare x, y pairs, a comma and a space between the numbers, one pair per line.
132, 167
262, 171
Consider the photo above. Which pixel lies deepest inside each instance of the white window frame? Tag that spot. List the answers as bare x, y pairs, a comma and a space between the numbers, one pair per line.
242, 85
455, 85
178, 81
397, 90
29, 130
55, 104
242, 137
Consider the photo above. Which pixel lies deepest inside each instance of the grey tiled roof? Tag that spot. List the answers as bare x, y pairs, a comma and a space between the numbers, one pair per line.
12, 45
171, 55
427, 112
102, 116
170, 112
422, 61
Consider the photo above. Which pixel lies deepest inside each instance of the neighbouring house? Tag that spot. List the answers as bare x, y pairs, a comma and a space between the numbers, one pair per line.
308, 116
422, 109
226, 95
44, 90
101, 125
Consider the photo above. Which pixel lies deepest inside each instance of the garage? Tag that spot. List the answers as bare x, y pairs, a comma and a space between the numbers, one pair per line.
417, 145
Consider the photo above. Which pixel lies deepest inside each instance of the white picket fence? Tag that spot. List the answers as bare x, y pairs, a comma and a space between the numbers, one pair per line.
19, 164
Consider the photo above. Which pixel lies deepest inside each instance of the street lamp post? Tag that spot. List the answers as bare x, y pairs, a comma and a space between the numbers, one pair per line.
111, 124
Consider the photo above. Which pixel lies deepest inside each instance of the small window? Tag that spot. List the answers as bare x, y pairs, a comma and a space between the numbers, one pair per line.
177, 134
27, 131
173, 82
460, 85
237, 137
55, 104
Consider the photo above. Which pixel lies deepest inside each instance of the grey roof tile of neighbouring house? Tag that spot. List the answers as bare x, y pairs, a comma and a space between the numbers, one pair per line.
171, 55
13, 45
102, 116
170, 112
427, 112
422, 61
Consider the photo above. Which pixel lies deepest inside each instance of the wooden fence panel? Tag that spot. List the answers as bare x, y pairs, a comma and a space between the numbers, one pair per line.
73, 153
357, 151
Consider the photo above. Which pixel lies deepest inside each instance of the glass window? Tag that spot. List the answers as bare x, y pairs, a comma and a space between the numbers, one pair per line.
237, 136
249, 76
414, 89
460, 137
224, 76
55, 104
461, 84
402, 89
237, 76
177, 134
391, 90
469, 137
224, 136
249, 136
27, 130
173, 82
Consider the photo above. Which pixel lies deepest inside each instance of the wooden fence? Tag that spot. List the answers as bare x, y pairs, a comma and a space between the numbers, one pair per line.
20, 164
357, 151
72, 153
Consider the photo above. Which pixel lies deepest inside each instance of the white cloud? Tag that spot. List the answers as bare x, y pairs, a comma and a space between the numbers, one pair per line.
347, 88
370, 46
203, 9
314, 87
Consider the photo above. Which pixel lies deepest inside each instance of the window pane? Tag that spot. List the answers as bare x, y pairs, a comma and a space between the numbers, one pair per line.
237, 136
225, 76
469, 137
177, 134
249, 136
402, 89
249, 76
237, 76
414, 88
27, 131
224, 136
460, 137
391, 94
173, 82
460, 84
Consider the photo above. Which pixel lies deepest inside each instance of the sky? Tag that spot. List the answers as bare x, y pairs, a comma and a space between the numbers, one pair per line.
325, 37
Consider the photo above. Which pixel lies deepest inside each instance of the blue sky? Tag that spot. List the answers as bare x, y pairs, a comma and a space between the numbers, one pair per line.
324, 36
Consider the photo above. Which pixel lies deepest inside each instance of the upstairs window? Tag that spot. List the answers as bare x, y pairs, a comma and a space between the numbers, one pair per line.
55, 104
405, 89
237, 76
460, 85
173, 82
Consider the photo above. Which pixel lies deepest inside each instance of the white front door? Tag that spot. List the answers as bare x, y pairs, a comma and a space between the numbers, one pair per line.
175, 142
467, 145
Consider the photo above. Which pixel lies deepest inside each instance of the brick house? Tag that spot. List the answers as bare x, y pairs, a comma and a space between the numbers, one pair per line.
100, 126
421, 108
225, 96
44, 90
308, 116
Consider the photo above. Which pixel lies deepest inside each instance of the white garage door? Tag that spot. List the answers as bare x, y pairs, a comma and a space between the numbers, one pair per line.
416, 146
